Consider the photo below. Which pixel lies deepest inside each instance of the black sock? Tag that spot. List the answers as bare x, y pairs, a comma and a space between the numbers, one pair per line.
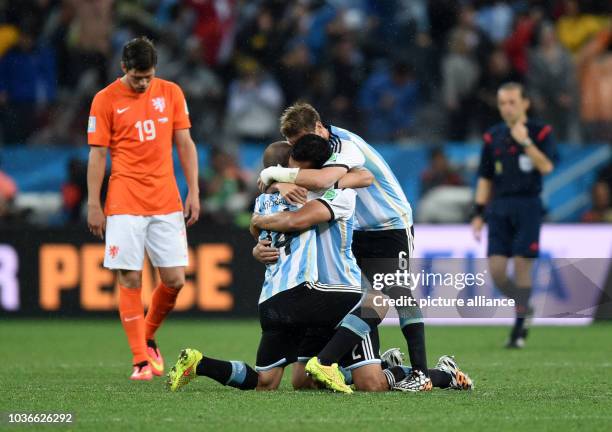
151, 344
439, 378
508, 288
522, 310
342, 342
522, 301
345, 339
415, 337
230, 373
394, 374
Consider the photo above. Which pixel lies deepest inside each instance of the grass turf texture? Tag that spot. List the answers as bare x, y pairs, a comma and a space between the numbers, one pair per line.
561, 381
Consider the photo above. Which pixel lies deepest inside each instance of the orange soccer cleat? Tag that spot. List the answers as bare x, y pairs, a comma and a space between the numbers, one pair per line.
156, 361
142, 372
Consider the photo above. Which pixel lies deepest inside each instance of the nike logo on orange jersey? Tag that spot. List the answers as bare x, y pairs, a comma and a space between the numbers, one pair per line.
122, 110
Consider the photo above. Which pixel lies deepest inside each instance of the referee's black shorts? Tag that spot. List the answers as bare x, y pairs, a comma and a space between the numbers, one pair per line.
514, 226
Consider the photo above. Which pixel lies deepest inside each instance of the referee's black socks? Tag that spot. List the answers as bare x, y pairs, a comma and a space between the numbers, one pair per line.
236, 374
521, 307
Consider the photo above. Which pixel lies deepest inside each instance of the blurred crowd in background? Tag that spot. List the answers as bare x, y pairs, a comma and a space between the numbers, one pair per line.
411, 72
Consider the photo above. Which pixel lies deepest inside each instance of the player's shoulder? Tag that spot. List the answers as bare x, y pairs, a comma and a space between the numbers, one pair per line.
344, 134
539, 129
338, 195
344, 141
108, 92
494, 132
167, 85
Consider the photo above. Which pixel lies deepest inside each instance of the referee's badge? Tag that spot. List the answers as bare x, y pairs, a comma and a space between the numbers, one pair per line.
498, 167
525, 163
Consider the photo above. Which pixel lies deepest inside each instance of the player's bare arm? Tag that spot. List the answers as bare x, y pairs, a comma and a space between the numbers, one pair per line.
316, 179
292, 193
254, 231
521, 135
264, 252
356, 178
311, 179
96, 167
189, 162
313, 213
483, 195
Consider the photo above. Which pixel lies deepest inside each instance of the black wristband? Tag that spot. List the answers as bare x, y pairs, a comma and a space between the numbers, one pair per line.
478, 210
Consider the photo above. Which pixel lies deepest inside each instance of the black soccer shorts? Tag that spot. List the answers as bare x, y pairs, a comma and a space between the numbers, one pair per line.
286, 318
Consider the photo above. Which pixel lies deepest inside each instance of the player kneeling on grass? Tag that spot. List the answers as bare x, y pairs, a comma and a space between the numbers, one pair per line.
288, 304
297, 322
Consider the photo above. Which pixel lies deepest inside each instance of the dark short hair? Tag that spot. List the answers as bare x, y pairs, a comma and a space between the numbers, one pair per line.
139, 54
513, 85
277, 153
311, 148
298, 118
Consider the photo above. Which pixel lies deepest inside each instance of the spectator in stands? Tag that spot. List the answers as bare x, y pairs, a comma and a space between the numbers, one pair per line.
442, 188
522, 38
203, 90
576, 28
601, 210
552, 83
215, 25
460, 73
261, 38
346, 76
439, 172
295, 70
90, 37
8, 192
497, 72
595, 70
27, 85
223, 187
254, 102
495, 19
388, 101
74, 191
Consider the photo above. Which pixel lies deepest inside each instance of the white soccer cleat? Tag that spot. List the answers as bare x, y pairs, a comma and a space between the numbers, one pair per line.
393, 357
415, 382
459, 379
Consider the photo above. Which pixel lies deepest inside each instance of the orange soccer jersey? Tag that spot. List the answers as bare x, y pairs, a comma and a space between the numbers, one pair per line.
138, 129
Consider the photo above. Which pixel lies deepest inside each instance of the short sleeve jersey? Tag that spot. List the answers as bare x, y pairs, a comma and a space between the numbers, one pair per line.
138, 129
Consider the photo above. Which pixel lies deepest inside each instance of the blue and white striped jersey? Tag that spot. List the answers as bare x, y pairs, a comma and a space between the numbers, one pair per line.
337, 266
383, 205
297, 262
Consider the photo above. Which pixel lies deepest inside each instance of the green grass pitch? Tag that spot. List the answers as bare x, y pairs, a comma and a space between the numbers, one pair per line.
561, 381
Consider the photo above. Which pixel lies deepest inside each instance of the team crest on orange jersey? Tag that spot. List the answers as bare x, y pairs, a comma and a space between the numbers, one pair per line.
113, 251
159, 103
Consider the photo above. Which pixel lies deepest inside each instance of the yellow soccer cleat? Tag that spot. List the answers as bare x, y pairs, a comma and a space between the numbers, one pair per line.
329, 376
185, 369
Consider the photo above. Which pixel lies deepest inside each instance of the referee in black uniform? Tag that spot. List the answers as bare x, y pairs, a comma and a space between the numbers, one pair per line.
516, 154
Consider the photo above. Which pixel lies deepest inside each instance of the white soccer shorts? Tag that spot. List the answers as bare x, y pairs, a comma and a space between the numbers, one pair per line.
128, 236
